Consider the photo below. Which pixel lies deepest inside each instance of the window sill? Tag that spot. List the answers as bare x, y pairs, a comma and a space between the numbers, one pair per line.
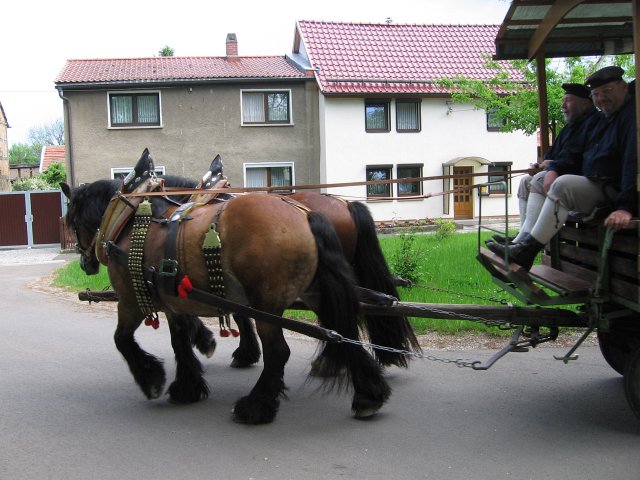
134, 127
267, 124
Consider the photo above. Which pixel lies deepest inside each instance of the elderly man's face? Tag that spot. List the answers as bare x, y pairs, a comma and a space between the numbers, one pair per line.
573, 107
609, 97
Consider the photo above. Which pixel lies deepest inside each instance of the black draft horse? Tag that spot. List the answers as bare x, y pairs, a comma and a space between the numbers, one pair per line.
304, 261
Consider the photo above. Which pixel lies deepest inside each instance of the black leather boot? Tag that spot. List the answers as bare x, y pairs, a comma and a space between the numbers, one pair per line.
501, 239
522, 253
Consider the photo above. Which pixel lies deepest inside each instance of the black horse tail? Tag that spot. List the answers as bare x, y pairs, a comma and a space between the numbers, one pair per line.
372, 272
338, 309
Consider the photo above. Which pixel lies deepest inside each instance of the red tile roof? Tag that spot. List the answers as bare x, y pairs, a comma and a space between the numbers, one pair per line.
359, 58
169, 69
51, 154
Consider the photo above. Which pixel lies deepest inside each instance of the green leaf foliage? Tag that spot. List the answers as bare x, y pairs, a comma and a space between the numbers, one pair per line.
516, 102
22, 153
54, 174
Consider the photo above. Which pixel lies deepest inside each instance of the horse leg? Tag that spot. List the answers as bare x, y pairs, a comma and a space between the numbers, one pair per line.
248, 351
372, 272
337, 310
189, 386
146, 369
201, 336
261, 405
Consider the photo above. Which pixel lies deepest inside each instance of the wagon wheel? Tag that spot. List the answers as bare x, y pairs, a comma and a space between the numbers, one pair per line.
618, 344
632, 382
615, 350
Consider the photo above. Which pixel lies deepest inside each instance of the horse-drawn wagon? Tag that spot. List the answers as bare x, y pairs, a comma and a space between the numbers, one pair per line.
585, 265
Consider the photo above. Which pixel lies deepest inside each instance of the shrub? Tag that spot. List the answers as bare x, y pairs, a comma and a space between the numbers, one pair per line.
35, 183
445, 228
405, 259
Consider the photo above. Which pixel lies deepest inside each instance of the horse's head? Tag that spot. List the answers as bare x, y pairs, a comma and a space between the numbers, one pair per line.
85, 208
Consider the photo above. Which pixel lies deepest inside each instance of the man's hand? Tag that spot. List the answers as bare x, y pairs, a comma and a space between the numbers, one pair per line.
549, 178
533, 169
618, 220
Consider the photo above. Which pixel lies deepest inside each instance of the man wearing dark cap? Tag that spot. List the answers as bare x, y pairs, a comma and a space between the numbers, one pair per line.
608, 172
565, 155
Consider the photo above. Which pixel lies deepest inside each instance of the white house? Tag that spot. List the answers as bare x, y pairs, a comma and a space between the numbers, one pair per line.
383, 116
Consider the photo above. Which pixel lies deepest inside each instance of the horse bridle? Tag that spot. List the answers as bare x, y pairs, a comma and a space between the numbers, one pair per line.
85, 252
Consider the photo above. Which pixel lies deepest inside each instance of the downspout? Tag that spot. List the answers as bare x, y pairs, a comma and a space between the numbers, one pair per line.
67, 105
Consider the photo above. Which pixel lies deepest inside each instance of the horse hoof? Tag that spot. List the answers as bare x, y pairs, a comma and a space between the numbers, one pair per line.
365, 413
155, 392
239, 364
255, 412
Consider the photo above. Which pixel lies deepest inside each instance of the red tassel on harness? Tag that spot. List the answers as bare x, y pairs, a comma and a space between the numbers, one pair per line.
184, 287
152, 321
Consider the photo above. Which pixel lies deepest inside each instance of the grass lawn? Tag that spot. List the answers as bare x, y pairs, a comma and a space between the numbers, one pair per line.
445, 268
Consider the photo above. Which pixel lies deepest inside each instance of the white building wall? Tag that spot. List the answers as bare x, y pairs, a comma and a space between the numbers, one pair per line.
447, 133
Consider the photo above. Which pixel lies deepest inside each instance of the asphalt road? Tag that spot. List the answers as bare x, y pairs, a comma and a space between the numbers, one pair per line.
69, 409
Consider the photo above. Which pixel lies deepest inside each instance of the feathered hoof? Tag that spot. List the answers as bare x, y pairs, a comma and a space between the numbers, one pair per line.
244, 359
206, 345
154, 391
188, 394
209, 351
152, 384
251, 411
365, 413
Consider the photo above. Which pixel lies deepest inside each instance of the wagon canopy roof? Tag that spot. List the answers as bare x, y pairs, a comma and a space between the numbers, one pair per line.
565, 28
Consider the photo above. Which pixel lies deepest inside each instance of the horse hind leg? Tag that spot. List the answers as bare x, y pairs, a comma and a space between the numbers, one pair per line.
248, 351
337, 310
147, 370
262, 403
372, 272
189, 385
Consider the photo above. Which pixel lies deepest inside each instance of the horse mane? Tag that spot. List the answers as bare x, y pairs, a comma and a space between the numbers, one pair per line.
91, 200
177, 181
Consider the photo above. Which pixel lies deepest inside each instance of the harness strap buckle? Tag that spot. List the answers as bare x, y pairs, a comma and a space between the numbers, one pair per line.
168, 268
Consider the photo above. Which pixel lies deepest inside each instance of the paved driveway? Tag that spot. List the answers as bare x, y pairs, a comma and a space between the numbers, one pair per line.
69, 410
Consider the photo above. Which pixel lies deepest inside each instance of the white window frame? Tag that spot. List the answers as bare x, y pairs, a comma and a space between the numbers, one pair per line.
133, 92
266, 124
250, 165
160, 170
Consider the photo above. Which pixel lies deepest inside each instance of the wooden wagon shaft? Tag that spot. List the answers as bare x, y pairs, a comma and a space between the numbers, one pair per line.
531, 316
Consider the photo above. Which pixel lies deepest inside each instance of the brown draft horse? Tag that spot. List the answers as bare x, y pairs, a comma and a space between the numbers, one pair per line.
356, 231
272, 254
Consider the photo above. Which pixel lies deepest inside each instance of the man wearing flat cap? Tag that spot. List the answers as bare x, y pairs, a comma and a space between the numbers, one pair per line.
607, 176
565, 155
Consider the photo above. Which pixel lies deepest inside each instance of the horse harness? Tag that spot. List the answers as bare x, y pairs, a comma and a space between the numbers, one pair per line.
148, 281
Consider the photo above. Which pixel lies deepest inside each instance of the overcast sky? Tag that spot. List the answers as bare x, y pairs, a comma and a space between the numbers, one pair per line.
38, 37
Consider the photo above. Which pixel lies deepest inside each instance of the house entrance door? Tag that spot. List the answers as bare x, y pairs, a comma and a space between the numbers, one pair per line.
463, 199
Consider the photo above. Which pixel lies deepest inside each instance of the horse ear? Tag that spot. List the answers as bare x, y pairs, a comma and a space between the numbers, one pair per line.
216, 166
66, 189
145, 164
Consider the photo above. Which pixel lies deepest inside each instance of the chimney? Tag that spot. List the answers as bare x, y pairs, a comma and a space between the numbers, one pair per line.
232, 45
